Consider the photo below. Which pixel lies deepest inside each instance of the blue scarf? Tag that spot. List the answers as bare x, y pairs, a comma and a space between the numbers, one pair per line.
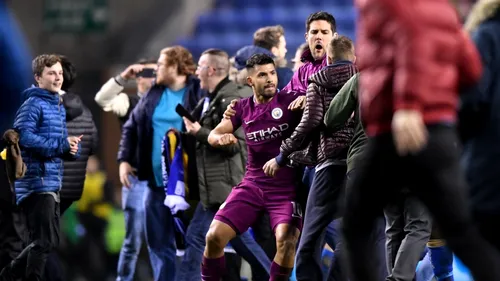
175, 188
173, 172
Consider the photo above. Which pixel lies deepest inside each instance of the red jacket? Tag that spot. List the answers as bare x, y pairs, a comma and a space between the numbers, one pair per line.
412, 55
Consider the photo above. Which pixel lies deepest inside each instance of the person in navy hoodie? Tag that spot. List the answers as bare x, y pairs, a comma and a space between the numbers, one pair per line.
141, 141
44, 142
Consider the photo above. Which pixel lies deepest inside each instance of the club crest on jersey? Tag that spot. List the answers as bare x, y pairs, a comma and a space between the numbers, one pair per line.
277, 113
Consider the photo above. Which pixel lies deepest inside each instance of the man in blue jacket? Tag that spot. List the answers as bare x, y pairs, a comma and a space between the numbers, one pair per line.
44, 142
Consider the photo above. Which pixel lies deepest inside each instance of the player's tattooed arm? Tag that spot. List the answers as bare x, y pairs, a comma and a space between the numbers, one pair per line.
222, 135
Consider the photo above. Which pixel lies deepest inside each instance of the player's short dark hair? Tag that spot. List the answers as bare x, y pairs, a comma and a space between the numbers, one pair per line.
144, 61
258, 59
268, 37
42, 61
321, 16
69, 73
341, 47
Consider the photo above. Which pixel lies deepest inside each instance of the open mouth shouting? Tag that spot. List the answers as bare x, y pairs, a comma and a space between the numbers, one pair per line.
318, 47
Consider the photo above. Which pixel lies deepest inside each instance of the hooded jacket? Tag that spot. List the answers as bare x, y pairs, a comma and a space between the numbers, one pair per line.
79, 122
41, 123
321, 145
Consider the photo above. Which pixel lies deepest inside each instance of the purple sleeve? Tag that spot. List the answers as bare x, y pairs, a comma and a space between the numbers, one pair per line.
296, 83
290, 96
291, 85
236, 119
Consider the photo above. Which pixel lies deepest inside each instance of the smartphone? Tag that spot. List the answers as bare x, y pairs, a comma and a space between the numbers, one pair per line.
184, 113
147, 73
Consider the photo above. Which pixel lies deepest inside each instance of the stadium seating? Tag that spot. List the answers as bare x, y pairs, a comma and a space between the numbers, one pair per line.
231, 23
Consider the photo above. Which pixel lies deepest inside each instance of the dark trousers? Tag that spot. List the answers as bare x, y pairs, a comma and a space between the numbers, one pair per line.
53, 270
12, 222
321, 208
408, 231
489, 226
92, 248
42, 221
338, 269
12, 233
435, 177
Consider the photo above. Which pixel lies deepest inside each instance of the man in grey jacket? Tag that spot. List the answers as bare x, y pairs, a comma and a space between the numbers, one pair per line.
219, 169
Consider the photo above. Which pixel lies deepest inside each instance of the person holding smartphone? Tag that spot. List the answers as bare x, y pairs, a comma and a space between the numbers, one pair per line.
112, 99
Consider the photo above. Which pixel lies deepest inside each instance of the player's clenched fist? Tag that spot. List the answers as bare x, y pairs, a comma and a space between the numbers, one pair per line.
227, 139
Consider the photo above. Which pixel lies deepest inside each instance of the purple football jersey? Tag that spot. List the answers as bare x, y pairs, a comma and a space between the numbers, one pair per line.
266, 126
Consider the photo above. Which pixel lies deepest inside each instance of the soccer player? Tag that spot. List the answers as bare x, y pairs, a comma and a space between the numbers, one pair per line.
266, 121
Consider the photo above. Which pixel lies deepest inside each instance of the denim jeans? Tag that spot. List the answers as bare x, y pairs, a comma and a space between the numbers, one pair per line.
244, 245
160, 234
133, 209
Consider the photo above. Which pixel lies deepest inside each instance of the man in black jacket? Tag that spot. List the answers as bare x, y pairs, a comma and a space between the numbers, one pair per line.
79, 122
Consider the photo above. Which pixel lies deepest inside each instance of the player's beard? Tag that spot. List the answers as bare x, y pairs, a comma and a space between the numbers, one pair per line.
267, 93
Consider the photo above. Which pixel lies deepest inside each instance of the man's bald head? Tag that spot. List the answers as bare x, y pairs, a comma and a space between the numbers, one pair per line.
218, 60
213, 67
